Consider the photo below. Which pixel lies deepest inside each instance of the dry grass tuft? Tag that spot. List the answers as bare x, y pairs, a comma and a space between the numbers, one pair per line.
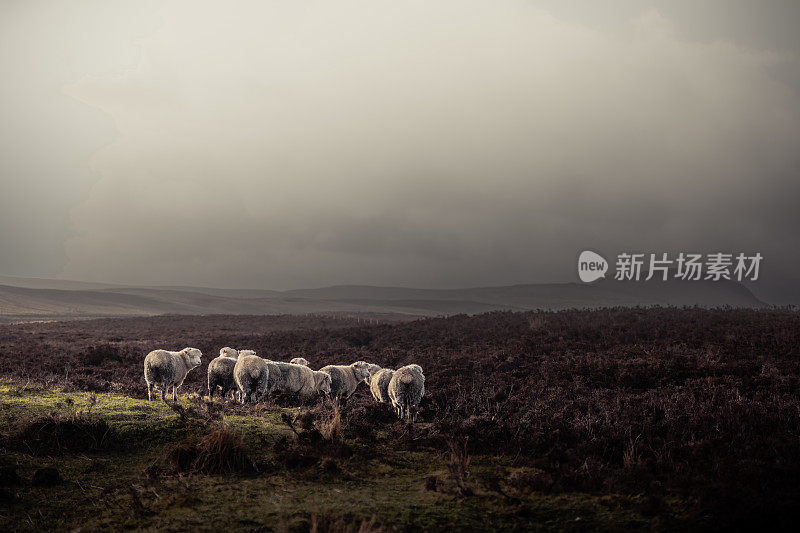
331, 428
459, 465
223, 452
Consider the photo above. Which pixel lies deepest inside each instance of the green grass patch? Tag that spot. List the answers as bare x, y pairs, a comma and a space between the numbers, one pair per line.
245, 481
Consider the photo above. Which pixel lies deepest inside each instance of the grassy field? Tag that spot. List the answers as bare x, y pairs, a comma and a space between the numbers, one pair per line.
614, 419
136, 473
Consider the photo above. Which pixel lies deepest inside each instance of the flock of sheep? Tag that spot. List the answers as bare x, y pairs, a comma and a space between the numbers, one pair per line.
252, 377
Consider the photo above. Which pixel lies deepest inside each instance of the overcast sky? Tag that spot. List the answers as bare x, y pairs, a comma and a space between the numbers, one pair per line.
450, 143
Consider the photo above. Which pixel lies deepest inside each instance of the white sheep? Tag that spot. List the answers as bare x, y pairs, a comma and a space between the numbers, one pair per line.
220, 372
406, 389
322, 382
299, 361
251, 375
345, 378
228, 352
168, 369
371, 369
289, 378
378, 381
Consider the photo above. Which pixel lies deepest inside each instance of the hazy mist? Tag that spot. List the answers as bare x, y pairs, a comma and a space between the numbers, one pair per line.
416, 143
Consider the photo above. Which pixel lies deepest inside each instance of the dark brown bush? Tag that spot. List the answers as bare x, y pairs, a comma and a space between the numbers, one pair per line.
54, 434
221, 451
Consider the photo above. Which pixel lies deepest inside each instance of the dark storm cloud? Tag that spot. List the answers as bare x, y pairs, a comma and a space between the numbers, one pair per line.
440, 144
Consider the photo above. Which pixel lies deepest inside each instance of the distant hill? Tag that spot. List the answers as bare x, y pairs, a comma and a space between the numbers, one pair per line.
41, 299
44, 283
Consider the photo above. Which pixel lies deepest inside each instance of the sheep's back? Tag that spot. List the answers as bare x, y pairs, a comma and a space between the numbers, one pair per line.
380, 383
275, 378
295, 378
407, 383
222, 365
338, 379
221, 369
249, 368
160, 367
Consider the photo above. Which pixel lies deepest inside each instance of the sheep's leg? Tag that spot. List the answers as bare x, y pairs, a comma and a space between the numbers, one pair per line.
149, 391
174, 393
164, 393
261, 390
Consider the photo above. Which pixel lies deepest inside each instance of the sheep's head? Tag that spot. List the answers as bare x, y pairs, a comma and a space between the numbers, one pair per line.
228, 352
322, 382
299, 361
192, 357
243, 353
361, 369
372, 369
415, 368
